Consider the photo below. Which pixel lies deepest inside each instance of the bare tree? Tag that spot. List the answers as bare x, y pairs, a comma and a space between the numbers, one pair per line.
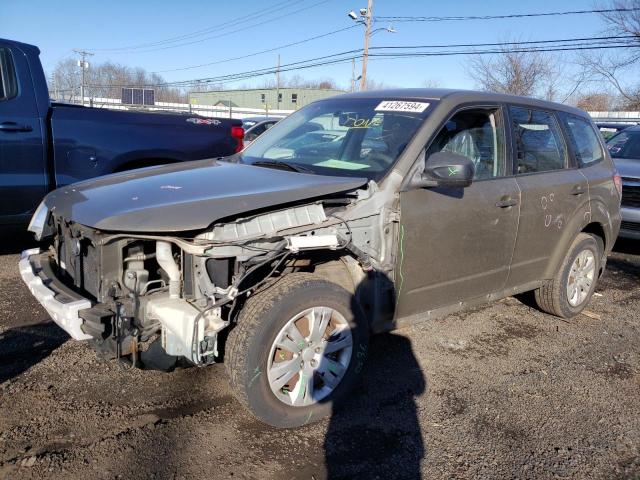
432, 83
106, 80
595, 102
66, 80
618, 67
530, 74
373, 84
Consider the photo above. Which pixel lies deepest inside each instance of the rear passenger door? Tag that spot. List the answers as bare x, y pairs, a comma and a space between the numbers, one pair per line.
589, 151
551, 186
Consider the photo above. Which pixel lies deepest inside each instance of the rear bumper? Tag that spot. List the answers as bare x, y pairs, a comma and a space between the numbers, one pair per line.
60, 302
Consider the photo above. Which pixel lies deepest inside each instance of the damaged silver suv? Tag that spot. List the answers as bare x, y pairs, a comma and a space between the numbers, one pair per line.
359, 213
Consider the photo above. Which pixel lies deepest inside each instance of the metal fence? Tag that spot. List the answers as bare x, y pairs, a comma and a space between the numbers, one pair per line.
239, 112
185, 108
616, 117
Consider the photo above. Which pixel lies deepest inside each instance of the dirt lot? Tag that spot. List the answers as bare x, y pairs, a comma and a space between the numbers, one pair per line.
501, 392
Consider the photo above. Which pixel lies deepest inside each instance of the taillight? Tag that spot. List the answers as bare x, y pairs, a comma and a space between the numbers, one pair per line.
617, 180
238, 134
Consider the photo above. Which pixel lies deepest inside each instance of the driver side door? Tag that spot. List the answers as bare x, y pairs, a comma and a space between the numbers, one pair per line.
456, 243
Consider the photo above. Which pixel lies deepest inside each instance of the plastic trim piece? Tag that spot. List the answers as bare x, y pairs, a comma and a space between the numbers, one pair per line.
65, 315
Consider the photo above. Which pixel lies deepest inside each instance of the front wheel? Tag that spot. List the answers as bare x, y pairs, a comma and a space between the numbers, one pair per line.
570, 290
297, 349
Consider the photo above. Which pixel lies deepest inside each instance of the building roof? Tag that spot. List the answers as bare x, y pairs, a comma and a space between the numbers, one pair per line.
271, 88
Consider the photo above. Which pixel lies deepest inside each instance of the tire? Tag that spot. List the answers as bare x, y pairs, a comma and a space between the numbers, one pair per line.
252, 357
554, 296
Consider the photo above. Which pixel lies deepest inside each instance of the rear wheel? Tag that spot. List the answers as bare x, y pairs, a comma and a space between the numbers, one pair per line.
298, 348
570, 290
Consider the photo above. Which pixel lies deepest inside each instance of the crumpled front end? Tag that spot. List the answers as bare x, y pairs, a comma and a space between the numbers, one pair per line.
158, 299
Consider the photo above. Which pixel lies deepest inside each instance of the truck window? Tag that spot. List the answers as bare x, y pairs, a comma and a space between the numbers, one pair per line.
584, 139
477, 134
8, 83
538, 141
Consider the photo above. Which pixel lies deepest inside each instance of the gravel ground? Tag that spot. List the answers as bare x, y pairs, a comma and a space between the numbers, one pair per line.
503, 391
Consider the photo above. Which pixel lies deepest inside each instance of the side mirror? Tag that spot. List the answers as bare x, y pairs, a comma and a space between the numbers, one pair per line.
446, 169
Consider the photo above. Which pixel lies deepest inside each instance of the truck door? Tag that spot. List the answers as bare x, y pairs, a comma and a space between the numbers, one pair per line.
23, 166
456, 244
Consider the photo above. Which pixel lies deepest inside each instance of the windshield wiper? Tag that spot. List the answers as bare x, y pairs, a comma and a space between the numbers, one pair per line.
282, 165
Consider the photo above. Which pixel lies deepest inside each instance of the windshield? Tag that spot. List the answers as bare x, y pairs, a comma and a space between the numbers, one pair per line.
625, 144
361, 137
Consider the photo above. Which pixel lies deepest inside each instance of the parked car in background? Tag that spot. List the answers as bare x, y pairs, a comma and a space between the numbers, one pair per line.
609, 129
45, 145
624, 147
258, 129
281, 263
248, 122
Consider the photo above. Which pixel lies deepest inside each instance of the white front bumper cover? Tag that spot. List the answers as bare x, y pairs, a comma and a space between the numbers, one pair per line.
64, 314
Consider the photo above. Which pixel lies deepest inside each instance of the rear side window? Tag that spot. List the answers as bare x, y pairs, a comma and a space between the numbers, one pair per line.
538, 141
584, 139
8, 84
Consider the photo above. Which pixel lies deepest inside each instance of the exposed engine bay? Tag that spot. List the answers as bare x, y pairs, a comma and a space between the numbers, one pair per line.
182, 293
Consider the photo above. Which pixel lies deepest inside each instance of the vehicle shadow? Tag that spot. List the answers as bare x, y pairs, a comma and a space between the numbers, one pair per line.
15, 240
23, 347
375, 432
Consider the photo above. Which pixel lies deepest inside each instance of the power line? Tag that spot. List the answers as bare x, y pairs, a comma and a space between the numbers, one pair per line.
576, 44
621, 41
497, 17
229, 23
280, 47
241, 29
461, 45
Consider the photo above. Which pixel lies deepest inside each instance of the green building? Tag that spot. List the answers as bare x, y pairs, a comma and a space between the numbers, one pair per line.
267, 98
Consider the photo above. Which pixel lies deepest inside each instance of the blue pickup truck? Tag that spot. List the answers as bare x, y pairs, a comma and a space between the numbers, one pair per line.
45, 145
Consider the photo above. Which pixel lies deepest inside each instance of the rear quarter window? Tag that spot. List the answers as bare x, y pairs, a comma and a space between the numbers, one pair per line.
583, 138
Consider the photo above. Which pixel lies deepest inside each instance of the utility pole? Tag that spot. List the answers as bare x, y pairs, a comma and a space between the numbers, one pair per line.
365, 53
278, 84
83, 64
353, 74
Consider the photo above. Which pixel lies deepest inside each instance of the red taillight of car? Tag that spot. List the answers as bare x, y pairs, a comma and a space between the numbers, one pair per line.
617, 180
238, 134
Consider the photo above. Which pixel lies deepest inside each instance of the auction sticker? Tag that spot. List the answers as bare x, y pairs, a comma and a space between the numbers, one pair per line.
401, 106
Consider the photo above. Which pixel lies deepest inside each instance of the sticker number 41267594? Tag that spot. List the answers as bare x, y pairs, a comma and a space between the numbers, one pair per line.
401, 106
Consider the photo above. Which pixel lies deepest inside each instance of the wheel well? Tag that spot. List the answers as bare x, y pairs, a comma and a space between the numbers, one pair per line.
144, 162
336, 271
596, 229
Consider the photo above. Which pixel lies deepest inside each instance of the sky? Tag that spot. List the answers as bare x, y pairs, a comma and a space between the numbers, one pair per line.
101, 27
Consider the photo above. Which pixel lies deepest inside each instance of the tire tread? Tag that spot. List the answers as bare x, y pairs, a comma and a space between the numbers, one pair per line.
550, 297
240, 336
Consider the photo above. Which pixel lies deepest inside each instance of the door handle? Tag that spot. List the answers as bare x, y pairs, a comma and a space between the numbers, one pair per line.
577, 190
506, 202
14, 127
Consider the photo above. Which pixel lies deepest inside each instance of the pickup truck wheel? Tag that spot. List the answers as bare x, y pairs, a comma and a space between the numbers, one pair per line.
570, 290
298, 348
